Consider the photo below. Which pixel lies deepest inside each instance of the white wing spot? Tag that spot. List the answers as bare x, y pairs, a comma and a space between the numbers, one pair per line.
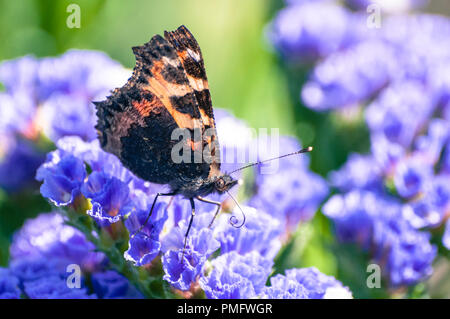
194, 55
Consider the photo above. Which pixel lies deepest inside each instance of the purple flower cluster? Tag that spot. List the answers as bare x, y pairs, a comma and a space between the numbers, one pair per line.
49, 97
82, 179
360, 60
43, 253
389, 200
305, 283
80, 170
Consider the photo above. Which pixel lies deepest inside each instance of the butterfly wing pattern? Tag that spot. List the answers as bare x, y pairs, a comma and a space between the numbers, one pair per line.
167, 90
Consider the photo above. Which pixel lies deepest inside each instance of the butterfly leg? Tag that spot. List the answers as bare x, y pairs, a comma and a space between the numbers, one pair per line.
189, 227
214, 203
151, 211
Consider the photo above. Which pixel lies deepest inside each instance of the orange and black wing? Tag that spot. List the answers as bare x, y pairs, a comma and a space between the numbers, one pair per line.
136, 122
191, 58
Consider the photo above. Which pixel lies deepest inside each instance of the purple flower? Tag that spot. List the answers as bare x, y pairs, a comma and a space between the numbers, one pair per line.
306, 283
319, 285
112, 285
352, 215
400, 112
19, 74
18, 107
181, 274
43, 249
410, 253
47, 237
375, 222
63, 175
261, 232
308, 30
347, 77
69, 115
109, 197
144, 244
411, 176
359, 172
101, 161
282, 287
236, 276
9, 285
88, 74
32, 268
19, 160
430, 146
54, 287
199, 246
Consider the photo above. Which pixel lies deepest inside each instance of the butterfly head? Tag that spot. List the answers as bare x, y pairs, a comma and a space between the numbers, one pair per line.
224, 183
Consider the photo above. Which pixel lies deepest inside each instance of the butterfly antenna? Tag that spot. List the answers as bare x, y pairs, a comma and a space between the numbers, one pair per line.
233, 219
305, 150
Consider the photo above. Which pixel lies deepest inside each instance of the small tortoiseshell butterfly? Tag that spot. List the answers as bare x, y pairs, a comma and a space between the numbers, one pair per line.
168, 90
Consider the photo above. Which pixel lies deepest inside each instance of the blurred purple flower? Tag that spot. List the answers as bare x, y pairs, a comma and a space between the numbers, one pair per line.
69, 115
409, 252
47, 237
9, 285
32, 268
430, 146
112, 285
54, 287
17, 103
307, 30
352, 214
236, 276
359, 172
89, 74
43, 249
62, 175
349, 76
19, 160
290, 193
400, 112
375, 222
411, 176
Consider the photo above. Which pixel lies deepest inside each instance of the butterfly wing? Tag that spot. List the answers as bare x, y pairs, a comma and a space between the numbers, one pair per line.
191, 58
136, 122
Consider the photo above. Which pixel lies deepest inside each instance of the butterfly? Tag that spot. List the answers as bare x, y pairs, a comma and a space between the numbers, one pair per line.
168, 90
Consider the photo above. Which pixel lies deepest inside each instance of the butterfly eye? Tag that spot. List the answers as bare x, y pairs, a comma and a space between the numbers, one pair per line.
220, 183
